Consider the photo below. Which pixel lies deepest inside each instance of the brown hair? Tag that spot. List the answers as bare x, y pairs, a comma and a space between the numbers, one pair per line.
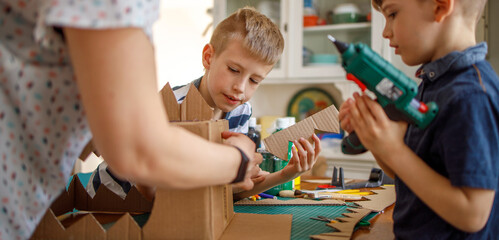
261, 37
469, 8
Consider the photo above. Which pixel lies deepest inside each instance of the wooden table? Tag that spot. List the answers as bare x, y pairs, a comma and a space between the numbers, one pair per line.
381, 225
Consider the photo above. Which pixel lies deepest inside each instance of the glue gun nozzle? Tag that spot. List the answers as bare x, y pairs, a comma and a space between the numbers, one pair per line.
341, 46
331, 38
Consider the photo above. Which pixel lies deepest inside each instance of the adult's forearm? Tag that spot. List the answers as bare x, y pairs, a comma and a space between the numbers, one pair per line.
115, 73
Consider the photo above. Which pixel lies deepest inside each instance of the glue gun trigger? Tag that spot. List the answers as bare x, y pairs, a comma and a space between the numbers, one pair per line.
353, 78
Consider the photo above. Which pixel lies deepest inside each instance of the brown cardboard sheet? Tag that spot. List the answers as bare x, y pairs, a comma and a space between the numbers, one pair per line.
345, 225
259, 226
325, 120
382, 199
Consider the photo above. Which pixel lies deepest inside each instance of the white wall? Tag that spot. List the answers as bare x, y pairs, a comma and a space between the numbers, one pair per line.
179, 40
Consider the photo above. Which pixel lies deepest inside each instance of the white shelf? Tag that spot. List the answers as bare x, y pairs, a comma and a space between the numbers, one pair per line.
331, 154
323, 80
335, 27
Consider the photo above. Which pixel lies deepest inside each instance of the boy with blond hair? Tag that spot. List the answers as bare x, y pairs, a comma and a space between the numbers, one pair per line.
242, 51
446, 175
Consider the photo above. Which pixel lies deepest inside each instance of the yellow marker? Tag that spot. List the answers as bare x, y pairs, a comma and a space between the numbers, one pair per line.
349, 191
354, 191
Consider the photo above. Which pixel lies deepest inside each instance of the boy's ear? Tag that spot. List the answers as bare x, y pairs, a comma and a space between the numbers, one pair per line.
443, 9
208, 53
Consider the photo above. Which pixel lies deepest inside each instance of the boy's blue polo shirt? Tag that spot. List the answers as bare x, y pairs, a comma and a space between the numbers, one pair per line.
461, 144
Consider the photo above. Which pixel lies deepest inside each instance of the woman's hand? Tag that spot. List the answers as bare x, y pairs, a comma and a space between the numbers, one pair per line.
248, 147
304, 157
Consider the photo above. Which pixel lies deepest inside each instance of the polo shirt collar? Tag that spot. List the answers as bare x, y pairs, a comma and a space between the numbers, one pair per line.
452, 62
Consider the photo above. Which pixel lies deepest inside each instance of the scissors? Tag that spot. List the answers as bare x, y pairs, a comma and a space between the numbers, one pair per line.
324, 219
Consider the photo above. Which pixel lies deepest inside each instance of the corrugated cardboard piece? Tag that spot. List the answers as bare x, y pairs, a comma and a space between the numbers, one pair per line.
202, 213
325, 120
345, 225
379, 201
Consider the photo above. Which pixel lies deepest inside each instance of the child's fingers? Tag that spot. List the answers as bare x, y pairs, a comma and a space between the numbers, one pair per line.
367, 118
344, 108
258, 179
355, 116
317, 144
346, 125
304, 148
297, 158
312, 151
376, 109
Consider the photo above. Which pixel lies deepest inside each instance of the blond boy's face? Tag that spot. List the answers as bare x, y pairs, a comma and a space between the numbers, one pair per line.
410, 27
232, 77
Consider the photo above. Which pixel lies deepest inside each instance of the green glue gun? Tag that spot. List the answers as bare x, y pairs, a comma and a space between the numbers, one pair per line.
394, 91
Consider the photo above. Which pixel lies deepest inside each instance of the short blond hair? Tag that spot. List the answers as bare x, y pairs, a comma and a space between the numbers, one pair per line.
472, 9
261, 37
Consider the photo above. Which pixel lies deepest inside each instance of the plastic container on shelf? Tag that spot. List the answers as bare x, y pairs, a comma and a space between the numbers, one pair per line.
310, 20
310, 17
308, 8
323, 59
346, 13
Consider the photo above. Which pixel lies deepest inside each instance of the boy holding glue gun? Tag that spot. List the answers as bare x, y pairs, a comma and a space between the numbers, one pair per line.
447, 174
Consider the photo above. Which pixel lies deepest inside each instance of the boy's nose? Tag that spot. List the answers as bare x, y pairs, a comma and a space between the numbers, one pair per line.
387, 33
238, 85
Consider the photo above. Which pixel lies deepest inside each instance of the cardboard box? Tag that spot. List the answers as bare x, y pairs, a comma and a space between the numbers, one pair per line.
202, 213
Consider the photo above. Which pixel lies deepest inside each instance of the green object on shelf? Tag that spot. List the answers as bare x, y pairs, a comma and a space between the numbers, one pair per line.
346, 18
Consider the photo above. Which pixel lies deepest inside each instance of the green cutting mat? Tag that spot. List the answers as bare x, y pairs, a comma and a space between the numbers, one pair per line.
302, 226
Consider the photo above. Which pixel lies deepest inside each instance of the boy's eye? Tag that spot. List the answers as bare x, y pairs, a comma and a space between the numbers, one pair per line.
233, 69
254, 81
392, 15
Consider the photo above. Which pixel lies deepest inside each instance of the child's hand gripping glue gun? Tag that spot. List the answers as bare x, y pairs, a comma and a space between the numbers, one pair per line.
395, 92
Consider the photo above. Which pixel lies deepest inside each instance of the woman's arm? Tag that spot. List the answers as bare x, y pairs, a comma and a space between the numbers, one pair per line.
116, 76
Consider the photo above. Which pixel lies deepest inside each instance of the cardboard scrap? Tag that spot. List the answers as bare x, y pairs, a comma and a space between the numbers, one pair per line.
345, 225
296, 201
325, 120
87, 150
272, 227
193, 108
382, 199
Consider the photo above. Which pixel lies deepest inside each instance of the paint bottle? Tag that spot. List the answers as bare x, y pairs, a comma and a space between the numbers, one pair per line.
254, 133
297, 180
279, 164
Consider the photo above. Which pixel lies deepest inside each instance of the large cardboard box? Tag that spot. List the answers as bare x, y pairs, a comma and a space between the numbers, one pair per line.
202, 213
